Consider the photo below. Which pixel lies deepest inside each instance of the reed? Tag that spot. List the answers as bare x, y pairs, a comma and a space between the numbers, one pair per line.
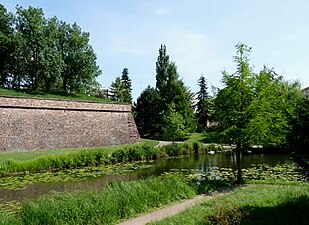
115, 202
95, 157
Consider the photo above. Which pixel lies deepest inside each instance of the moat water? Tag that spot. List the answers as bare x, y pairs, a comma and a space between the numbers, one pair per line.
201, 163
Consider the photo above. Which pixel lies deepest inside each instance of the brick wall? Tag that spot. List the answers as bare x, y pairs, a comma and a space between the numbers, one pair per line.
32, 123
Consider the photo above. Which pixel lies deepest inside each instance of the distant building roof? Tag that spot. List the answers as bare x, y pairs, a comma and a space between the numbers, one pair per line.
306, 91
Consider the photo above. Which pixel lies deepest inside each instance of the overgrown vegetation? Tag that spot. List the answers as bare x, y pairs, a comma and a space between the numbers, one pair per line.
261, 204
99, 156
109, 205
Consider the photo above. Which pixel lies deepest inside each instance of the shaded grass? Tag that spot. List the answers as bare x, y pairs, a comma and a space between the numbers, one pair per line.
115, 202
258, 204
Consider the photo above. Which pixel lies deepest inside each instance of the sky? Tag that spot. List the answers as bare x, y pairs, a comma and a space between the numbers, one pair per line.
200, 36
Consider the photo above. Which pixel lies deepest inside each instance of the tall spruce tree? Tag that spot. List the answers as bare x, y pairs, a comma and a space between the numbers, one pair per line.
127, 91
203, 104
172, 90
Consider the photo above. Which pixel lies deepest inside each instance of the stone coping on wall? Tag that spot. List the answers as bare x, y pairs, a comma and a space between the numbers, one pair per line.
61, 104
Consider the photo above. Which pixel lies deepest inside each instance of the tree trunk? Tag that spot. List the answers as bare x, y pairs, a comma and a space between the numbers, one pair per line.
238, 163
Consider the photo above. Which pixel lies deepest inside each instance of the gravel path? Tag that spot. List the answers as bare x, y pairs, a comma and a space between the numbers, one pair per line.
173, 209
166, 143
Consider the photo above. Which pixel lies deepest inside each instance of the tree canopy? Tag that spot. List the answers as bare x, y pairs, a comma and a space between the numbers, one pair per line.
39, 53
169, 91
255, 109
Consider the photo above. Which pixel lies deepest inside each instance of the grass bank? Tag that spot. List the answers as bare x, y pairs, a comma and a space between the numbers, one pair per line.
70, 159
255, 204
55, 95
114, 202
26, 156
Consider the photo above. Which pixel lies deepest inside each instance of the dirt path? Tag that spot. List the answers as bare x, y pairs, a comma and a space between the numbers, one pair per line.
174, 209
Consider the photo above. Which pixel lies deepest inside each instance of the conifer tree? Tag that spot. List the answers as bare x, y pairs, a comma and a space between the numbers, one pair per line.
203, 104
127, 86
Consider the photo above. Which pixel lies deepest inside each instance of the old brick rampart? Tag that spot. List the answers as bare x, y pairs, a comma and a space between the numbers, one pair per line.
33, 123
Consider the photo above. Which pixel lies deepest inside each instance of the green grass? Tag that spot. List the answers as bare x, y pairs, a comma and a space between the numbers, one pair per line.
115, 202
25, 156
66, 159
40, 94
257, 204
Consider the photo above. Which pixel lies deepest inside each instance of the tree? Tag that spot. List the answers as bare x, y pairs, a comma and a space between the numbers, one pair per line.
232, 104
45, 54
169, 90
203, 104
30, 25
6, 41
147, 112
172, 90
126, 81
81, 70
174, 127
162, 67
118, 89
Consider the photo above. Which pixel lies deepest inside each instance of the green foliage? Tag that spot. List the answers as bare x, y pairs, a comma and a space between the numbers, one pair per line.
126, 81
8, 219
174, 127
255, 109
46, 54
94, 157
147, 112
203, 104
6, 44
169, 90
122, 88
115, 202
118, 89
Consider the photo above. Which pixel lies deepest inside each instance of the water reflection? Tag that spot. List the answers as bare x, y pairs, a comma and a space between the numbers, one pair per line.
198, 162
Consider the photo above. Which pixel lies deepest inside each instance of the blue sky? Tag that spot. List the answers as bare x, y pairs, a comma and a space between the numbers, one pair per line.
200, 35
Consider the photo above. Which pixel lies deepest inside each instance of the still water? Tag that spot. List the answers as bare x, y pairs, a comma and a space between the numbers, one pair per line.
201, 162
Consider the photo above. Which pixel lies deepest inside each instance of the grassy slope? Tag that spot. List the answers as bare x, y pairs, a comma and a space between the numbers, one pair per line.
25, 156
257, 204
39, 94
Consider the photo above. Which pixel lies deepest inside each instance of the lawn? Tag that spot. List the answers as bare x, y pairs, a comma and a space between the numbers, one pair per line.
254, 205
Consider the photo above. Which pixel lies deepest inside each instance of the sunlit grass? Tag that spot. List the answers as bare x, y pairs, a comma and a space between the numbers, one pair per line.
41, 94
114, 202
258, 204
